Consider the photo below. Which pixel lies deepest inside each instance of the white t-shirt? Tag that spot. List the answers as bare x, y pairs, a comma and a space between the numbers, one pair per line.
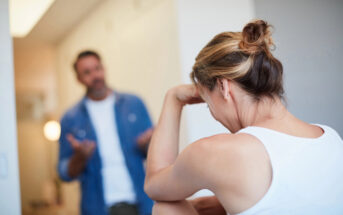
117, 183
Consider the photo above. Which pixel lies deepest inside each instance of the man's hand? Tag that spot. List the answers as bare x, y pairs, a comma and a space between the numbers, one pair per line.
208, 206
83, 150
144, 139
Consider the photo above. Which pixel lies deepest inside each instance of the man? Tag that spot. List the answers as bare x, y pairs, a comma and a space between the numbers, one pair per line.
103, 144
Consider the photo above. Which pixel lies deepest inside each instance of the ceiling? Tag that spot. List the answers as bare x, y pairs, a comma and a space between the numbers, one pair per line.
60, 19
24, 14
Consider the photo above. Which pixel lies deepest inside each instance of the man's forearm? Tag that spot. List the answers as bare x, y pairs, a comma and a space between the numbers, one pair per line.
143, 141
76, 165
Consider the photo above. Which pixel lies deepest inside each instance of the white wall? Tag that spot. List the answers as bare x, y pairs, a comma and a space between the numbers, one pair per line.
198, 22
9, 176
309, 43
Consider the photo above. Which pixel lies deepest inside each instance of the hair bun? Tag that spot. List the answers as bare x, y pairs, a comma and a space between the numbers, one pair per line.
256, 37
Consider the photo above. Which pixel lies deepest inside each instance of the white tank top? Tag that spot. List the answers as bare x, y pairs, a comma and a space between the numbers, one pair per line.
307, 173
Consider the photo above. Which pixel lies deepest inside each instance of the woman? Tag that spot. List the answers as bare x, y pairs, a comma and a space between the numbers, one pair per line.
271, 163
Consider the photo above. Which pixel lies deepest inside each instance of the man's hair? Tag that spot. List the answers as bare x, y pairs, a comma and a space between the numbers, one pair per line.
83, 54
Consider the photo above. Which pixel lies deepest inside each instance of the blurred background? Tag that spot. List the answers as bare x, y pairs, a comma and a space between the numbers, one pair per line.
147, 46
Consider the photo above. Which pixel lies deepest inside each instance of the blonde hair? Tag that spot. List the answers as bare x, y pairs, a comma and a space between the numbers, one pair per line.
244, 57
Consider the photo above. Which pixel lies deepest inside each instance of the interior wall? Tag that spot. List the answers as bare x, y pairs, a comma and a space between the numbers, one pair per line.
35, 71
138, 43
9, 173
309, 42
35, 83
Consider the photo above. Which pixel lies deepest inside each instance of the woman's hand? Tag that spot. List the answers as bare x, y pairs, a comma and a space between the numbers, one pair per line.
208, 205
186, 94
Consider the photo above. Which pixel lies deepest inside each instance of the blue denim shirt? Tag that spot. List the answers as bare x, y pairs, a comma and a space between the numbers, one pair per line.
132, 119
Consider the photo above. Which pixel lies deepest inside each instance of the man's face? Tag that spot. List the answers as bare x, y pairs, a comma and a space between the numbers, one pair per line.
91, 74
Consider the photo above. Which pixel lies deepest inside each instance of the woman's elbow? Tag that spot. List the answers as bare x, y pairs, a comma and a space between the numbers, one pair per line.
151, 190
148, 188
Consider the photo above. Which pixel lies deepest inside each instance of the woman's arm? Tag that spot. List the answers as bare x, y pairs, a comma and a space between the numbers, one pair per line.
167, 177
173, 177
164, 145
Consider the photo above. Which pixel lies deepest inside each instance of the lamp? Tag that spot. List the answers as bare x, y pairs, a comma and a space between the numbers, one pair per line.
52, 130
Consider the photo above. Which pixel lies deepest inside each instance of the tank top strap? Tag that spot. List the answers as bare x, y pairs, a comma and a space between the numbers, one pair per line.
270, 139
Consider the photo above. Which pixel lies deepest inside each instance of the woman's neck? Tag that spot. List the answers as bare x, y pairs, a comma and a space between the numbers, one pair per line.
256, 113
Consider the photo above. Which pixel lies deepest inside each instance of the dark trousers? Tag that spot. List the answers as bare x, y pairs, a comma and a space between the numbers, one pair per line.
123, 209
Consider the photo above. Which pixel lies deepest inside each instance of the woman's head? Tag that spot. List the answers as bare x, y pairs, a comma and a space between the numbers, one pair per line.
239, 62
243, 57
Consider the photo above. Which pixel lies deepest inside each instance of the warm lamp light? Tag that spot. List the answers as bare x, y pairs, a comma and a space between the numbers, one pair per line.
52, 130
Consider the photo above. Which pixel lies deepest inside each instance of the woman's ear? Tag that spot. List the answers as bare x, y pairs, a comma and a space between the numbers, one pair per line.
224, 87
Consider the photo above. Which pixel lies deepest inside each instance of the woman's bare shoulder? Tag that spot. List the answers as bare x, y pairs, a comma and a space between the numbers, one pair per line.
227, 157
235, 142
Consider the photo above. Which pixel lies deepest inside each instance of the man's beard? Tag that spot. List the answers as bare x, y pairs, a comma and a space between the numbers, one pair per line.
97, 93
